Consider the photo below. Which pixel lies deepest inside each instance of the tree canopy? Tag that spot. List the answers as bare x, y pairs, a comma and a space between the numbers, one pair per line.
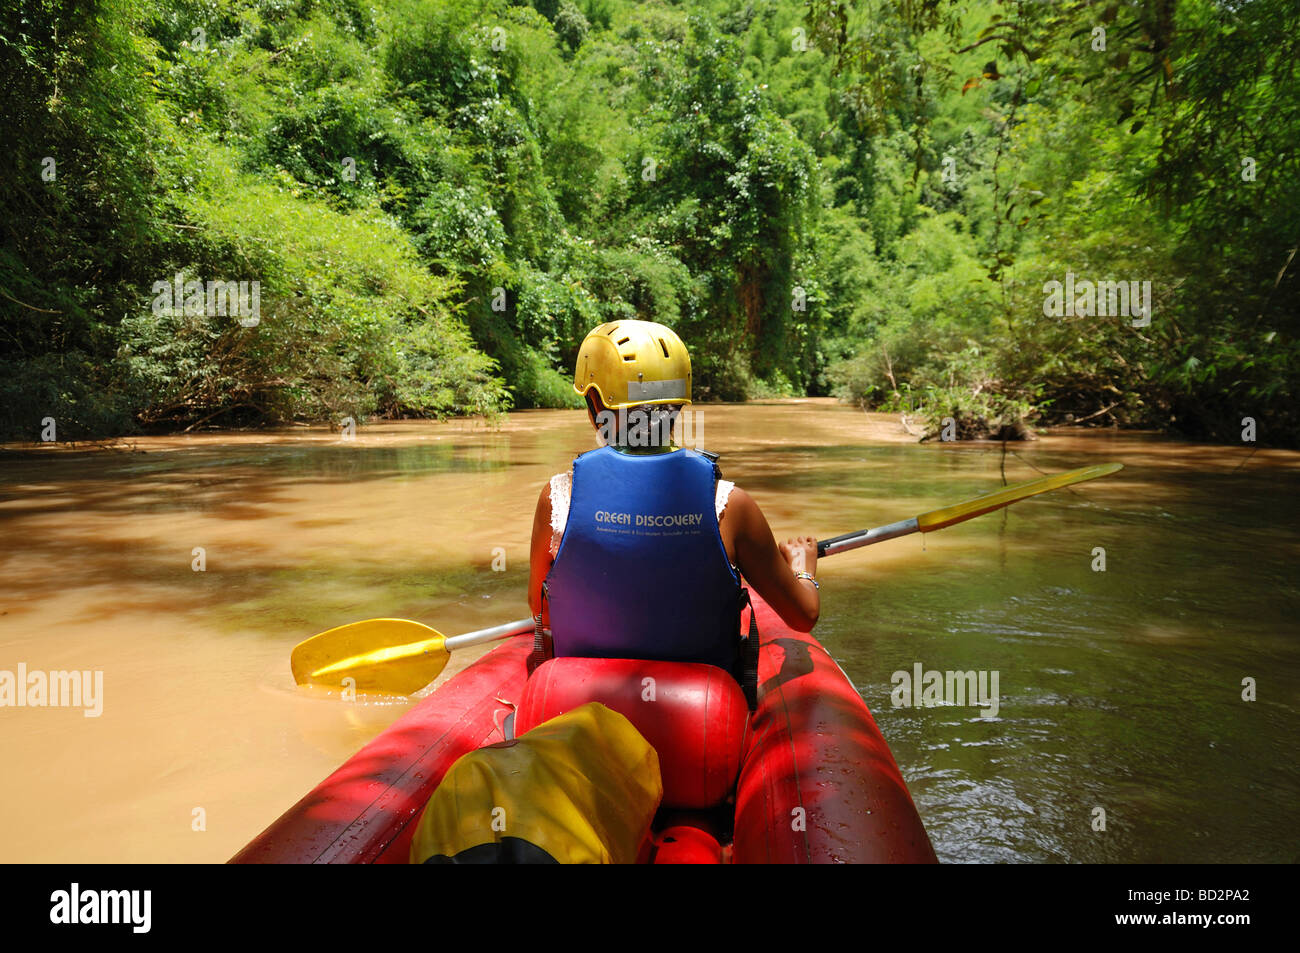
438, 199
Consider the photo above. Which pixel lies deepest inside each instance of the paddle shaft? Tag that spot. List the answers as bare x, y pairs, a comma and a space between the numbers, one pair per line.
960, 512
865, 537
503, 631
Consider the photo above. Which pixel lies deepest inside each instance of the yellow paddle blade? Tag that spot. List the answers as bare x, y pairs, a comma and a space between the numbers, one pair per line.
386, 655
959, 512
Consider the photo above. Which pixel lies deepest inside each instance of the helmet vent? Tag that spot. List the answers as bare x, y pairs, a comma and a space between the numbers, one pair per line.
624, 341
663, 347
629, 357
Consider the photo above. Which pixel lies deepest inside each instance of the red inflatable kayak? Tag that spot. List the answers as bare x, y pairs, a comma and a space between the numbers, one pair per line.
807, 779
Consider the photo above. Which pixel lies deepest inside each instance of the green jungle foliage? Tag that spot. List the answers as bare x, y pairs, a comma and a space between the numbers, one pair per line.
439, 198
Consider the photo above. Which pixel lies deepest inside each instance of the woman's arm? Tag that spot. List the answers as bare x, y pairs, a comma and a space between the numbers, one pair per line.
770, 568
539, 552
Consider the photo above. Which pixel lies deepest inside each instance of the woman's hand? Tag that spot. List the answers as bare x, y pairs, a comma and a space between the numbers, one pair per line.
800, 553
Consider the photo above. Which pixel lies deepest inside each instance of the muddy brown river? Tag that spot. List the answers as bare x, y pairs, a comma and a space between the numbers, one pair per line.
185, 569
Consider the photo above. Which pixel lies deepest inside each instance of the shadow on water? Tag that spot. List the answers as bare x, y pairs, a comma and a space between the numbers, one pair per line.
204, 478
261, 593
130, 522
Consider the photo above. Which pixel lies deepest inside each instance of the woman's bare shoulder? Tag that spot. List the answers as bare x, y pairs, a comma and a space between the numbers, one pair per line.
741, 502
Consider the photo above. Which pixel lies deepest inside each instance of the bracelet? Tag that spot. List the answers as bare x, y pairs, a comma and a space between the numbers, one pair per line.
807, 575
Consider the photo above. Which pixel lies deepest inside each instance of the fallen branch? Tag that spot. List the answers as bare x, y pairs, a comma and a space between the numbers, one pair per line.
26, 305
1104, 410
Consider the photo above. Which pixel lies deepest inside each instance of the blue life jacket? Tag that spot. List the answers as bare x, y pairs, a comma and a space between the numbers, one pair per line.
642, 571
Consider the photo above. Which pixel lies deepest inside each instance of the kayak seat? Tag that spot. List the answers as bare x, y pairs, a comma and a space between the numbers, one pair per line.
684, 844
694, 715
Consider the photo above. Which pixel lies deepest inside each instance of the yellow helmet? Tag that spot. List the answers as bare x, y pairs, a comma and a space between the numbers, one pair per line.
634, 362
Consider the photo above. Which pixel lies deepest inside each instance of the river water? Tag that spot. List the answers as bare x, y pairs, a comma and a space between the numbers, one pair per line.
186, 568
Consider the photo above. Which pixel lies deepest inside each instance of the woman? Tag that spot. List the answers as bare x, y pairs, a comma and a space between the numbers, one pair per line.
638, 553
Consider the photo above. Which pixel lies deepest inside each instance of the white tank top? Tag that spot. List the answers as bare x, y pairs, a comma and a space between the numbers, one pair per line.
562, 489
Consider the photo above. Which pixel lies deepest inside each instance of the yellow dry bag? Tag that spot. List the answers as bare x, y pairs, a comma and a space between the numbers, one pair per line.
581, 788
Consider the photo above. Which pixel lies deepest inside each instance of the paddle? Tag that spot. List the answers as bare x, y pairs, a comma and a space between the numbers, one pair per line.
387, 655
960, 512
396, 655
